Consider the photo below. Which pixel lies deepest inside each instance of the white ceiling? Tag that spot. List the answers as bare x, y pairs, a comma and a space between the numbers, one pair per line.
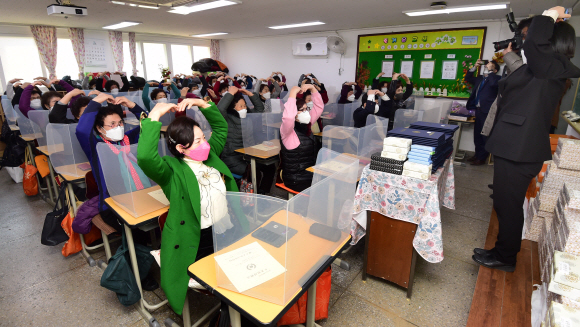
252, 17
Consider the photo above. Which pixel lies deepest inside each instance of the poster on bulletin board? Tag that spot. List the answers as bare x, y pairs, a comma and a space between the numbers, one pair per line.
443, 57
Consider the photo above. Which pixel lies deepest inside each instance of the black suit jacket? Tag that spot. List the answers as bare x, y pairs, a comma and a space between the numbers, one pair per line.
488, 92
528, 98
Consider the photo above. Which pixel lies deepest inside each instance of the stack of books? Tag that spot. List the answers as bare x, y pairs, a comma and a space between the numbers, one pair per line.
417, 170
429, 147
394, 154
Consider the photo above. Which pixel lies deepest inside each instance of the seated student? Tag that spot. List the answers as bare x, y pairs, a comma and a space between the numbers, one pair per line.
383, 86
233, 108
221, 86
113, 87
58, 113
18, 88
244, 80
397, 95
298, 149
281, 81
105, 124
311, 79
264, 91
347, 94
30, 100
195, 181
370, 106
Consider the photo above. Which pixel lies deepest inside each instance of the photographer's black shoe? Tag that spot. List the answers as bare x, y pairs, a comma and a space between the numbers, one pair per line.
481, 251
490, 261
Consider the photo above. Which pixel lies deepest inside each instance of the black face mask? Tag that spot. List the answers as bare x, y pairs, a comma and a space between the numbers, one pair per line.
398, 96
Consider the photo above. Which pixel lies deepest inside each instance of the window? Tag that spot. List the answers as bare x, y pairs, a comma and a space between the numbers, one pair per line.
20, 58
182, 60
155, 60
127, 66
200, 53
66, 62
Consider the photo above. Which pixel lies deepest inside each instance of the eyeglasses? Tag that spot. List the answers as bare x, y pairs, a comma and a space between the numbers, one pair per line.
115, 124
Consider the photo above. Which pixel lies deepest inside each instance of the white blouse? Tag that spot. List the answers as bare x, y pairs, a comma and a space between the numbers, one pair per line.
212, 191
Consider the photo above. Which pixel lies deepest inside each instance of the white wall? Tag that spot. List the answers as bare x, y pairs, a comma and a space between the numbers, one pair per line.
261, 56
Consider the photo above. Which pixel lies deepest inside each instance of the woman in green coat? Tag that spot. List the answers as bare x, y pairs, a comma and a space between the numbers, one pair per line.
193, 183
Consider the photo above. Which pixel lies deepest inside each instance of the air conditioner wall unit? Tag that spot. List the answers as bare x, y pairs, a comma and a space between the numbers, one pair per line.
314, 46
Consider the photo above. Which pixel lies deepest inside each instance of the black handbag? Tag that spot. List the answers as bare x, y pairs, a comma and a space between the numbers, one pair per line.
52, 232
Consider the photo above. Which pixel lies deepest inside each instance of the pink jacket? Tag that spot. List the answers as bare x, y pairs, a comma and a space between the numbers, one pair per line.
287, 133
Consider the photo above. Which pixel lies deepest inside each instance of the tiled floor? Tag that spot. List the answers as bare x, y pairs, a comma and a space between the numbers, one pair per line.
38, 286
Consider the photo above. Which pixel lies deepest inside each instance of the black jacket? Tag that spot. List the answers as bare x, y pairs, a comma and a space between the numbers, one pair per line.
528, 98
58, 115
296, 161
488, 91
360, 114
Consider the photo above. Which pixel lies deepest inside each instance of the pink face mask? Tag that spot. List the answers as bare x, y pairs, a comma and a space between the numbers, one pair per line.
200, 153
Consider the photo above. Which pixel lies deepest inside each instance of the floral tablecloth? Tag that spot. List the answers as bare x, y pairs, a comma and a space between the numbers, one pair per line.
408, 199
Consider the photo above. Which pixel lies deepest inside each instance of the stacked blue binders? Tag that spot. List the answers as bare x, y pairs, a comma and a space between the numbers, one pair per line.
432, 143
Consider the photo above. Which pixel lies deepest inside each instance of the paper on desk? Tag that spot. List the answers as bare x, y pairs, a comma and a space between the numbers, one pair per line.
249, 266
264, 147
332, 165
159, 196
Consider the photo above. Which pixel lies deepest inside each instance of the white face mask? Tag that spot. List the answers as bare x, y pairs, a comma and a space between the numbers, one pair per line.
50, 108
35, 104
303, 117
266, 95
350, 98
310, 104
162, 100
116, 134
385, 97
224, 93
242, 113
115, 91
384, 90
197, 92
376, 108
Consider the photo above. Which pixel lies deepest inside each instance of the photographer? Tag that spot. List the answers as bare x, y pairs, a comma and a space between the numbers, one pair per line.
519, 139
485, 88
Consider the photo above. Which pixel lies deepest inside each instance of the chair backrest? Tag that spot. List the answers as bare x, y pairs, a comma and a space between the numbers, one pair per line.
405, 117
39, 120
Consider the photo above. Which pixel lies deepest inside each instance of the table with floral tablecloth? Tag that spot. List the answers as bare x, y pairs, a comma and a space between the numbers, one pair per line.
408, 199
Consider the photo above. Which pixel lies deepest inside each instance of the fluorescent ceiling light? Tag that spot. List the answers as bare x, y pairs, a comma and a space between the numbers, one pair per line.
132, 5
296, 25
120, 25
118, 2
149, 7
210, 34
184, 10
451, 10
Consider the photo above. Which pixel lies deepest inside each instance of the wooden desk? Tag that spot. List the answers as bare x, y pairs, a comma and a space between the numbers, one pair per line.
31, 137
163, 129
48, 150
129, 222
72, 173
141, 199
329, 171
262, 155
14, 128
299, 261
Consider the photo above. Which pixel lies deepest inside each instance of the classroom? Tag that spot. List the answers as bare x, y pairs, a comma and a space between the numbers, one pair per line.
217, 163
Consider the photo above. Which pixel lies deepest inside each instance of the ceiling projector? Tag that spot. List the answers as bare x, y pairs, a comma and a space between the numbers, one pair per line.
66, 10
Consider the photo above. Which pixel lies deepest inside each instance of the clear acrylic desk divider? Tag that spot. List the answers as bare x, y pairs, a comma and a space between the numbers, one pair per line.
167, 118
341, 139
195, 114
9, 112
273, 124
39, 120
275, 105
25, 125
405, 117
348, 119
333, 114
138, 101
268, 248
445, 110
258, 139
66, 155
431, 109
374, 119
371, 140
133, 196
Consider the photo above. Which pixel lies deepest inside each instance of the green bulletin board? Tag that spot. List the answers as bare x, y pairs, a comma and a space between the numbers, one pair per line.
439, 58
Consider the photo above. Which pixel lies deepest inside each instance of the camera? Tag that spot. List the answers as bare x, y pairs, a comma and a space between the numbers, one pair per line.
517, 41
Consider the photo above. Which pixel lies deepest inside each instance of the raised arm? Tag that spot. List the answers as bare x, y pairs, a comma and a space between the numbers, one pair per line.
87, 121
277, 90
24, 104
287, 133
